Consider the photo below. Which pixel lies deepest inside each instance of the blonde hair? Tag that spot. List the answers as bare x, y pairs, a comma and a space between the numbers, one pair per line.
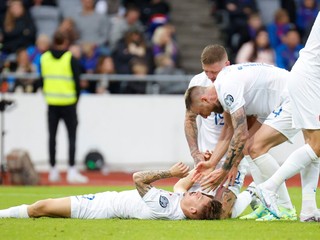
159, 34
191, 94
213, 53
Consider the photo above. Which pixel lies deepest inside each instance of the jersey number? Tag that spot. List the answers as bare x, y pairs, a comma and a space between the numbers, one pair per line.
218, 119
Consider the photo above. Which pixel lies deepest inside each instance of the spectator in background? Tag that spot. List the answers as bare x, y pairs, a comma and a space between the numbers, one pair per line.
130, 48
93, 27
249, 31
154, 14
165, 50
23, 66
257, 50
306, 14
120, 25
68, 26
291, 7
35, 51
105, 66
88, 60
139, 68
76, 51
279, 27
18, 28
288, 52
238, 12
60, 73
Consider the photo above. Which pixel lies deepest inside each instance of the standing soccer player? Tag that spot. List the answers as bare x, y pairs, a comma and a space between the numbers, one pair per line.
304, 89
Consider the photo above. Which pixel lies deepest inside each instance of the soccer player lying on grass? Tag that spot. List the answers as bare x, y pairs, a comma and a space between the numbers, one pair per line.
146, 202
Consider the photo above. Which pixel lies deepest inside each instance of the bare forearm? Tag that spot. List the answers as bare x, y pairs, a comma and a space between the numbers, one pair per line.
238, 140
223, 141
191, 132
143, 179
184, 184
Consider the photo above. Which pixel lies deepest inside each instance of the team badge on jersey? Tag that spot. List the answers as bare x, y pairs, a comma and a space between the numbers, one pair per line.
229, 100
163, 201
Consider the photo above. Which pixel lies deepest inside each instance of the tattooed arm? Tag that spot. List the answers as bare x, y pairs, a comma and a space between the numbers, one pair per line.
191, 132
144, 179
239, 138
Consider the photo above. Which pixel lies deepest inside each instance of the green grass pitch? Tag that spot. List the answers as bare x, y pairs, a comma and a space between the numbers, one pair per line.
49, 228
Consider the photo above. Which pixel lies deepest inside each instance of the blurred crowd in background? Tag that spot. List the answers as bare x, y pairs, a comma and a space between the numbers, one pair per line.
137, 36
266, 31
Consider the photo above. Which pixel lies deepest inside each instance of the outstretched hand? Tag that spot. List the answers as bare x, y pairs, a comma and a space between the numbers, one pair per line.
179, 170
213, 179
202, 169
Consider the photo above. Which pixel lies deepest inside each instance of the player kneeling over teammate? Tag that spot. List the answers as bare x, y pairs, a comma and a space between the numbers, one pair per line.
146, 202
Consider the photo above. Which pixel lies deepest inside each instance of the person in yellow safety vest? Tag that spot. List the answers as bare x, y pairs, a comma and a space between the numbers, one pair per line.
60, 73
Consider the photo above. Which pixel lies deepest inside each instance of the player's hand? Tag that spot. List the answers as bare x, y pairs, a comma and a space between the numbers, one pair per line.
198, 157
213, 180
179, 170
231, 176
202, 169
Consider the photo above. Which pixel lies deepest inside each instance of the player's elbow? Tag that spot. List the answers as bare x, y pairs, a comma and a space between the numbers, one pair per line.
136, 177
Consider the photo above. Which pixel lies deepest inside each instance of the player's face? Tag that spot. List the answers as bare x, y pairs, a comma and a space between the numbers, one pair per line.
206, 107
196, 199
212, 70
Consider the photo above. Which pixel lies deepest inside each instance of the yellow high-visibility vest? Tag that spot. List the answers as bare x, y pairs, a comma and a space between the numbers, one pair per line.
58, 83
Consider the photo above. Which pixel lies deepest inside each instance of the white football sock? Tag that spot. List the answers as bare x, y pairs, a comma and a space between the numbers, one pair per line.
15, 212
242, 202
297, 160
309, 182
268, 166
254, 170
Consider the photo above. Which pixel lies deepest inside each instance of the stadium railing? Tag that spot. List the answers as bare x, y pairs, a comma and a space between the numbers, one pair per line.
153, 86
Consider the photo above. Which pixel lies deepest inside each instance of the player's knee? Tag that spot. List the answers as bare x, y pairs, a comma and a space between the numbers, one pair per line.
39, 208
255, 150
316, 148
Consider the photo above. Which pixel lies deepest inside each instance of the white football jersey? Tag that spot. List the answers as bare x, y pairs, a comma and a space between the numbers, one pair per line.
259, 87
208, 129
156, 204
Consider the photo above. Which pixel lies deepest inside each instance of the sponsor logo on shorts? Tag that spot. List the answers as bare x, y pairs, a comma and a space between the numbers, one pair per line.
163, 201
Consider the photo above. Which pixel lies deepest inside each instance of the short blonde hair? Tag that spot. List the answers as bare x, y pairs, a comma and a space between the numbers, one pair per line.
191, 94
213, 53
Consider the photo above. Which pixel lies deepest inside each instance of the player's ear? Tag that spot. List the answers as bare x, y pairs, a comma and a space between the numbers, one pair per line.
192, 210
204, 99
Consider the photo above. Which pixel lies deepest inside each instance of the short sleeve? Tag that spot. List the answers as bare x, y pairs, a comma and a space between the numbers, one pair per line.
230, 95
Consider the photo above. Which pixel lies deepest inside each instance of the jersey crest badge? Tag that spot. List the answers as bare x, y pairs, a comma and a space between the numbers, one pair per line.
163, 201
229, 100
